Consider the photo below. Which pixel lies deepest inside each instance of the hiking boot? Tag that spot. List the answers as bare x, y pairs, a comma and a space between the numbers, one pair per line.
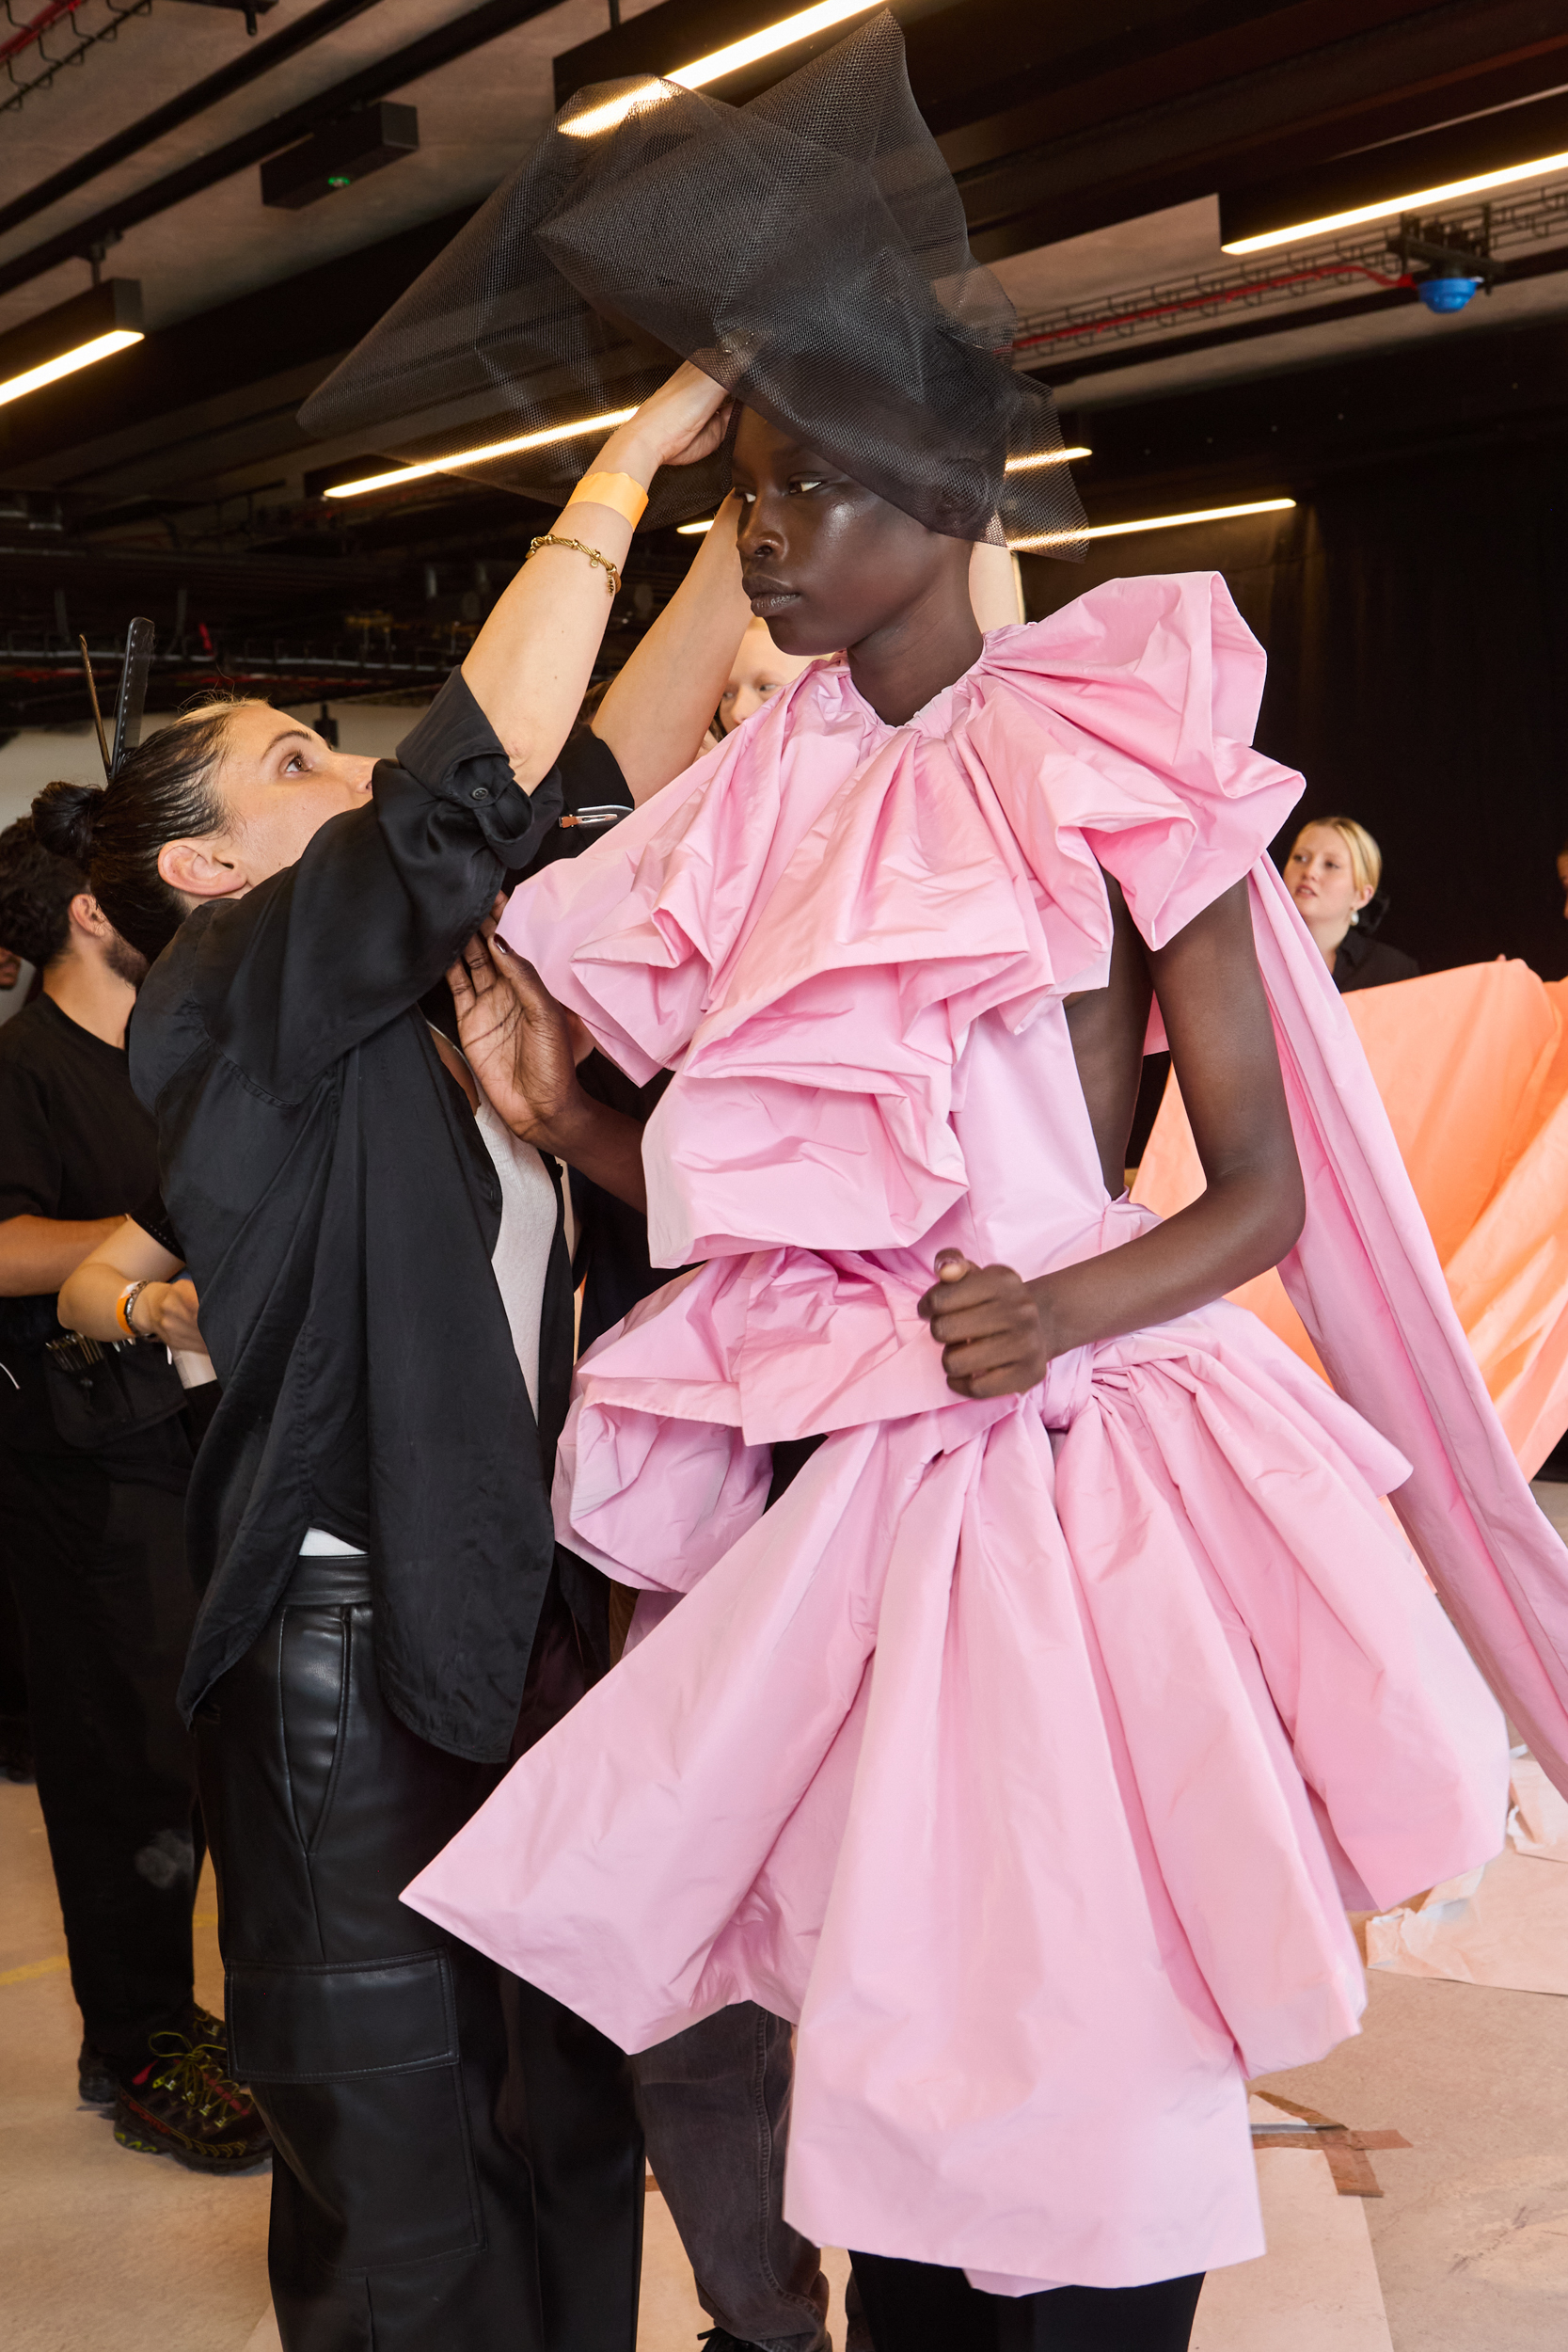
185, 2105
98, 2080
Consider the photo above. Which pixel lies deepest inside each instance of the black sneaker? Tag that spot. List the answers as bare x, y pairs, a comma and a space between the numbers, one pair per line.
98, 2083
184, 2104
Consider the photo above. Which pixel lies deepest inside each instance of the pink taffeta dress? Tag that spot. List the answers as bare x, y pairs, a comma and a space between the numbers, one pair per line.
1027, 1751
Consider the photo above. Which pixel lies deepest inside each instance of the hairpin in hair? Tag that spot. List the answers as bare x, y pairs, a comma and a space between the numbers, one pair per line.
97, 714
131, 698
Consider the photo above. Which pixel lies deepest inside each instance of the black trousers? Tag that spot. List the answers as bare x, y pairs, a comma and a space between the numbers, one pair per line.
97, 1569
458, 2159
920, 2307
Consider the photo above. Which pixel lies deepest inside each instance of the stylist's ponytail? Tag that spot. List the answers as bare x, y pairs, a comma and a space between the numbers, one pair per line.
164, 790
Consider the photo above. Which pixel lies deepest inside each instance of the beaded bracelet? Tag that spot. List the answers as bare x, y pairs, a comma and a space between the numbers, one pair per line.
554, 539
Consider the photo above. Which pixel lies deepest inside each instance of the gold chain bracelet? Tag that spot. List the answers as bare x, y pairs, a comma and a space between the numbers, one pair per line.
554, 539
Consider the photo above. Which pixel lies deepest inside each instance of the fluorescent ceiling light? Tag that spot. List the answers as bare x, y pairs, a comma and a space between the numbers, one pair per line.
694, 530
479, 456
1052, 458
1153, 522
718, 63
120, 339
1392, 206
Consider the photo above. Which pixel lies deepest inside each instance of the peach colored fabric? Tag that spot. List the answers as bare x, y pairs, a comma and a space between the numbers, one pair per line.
1472, 1067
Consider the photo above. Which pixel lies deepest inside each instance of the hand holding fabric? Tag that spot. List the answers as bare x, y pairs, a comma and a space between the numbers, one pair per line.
522, 1049
514, 1034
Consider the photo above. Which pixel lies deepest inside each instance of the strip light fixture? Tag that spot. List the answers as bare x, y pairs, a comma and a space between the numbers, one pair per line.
1050, 458
400, 474
93, 326
1388, 208
100, 348
1151, 522
713, 68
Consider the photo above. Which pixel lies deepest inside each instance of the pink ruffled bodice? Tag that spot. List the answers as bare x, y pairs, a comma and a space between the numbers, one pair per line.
810, 924
1025, 1751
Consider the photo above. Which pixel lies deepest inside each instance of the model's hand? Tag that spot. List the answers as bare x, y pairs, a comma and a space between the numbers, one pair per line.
517, 1039
988, 1324
683, 420
166, 1312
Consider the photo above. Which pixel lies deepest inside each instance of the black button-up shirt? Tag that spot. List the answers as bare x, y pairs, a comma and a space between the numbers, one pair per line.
338, 1210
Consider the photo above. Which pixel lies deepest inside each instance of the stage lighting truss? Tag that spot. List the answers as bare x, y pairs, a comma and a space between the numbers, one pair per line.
1374, 259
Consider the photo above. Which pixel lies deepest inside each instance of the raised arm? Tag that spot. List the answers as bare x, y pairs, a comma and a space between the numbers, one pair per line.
654, 713
312, 958
529, 666
998, 1333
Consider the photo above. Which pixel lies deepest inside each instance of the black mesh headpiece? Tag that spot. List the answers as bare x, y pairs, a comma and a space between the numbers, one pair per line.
808, 251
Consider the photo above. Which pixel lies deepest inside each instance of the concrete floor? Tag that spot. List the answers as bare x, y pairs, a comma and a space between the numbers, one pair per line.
1467, 2252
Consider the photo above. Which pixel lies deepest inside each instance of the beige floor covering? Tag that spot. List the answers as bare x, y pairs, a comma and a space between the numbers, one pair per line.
1467, 2250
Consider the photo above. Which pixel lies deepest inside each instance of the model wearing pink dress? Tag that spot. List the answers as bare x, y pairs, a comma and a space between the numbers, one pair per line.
1028, 1751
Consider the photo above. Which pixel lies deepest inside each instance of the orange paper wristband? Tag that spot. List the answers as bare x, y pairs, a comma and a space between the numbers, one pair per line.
619, 491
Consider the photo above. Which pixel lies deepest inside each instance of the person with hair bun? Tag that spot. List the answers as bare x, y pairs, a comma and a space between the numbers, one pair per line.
351, 1181
1334, 873
94, 1539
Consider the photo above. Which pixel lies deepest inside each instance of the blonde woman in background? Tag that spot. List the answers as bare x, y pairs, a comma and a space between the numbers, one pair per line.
1332, 873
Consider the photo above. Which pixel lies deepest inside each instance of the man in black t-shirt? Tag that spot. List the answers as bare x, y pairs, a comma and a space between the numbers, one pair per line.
95, 1547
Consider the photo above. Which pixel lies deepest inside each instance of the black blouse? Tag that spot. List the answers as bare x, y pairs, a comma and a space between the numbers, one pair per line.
1361, 962
338, 1209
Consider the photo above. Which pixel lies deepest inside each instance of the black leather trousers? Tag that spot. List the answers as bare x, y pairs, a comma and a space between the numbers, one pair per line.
458, 2160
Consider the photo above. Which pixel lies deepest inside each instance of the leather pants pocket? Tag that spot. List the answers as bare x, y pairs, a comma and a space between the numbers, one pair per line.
357, 2068
313, 1686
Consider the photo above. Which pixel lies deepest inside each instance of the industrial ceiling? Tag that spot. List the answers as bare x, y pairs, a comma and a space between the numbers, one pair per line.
269, 193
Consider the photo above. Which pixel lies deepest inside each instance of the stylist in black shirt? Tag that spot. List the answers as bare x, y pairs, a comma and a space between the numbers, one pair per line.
95, 1544
337, 1211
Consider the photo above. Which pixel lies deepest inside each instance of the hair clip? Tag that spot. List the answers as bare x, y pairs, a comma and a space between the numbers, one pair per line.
131, 699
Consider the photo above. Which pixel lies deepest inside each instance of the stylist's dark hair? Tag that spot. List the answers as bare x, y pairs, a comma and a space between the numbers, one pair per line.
36, 892
165, 790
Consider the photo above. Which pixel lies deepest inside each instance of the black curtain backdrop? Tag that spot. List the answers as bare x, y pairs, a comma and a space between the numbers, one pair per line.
1416, 620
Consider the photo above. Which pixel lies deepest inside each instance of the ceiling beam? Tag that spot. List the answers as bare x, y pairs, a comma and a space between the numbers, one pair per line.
247, 68
312, 318
395, 71
1085, 158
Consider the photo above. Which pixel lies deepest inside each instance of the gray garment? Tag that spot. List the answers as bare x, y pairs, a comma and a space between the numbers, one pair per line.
715, 2109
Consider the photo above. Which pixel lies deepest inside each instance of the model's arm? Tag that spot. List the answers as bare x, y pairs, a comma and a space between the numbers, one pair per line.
165, 1309
998, 1333
654, 713
38, 1252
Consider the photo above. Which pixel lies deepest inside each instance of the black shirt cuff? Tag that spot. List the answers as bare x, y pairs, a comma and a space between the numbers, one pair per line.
455, 754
